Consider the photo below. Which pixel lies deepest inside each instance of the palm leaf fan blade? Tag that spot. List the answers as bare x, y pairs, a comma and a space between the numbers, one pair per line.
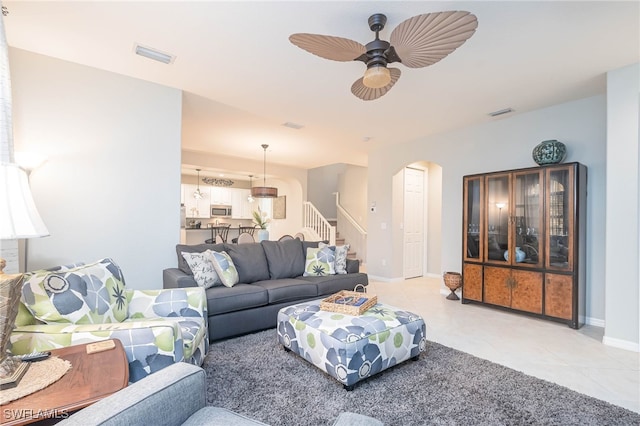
328, 47
426, 39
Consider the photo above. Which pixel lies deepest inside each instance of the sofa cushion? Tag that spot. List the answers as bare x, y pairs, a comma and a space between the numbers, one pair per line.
87, 294
225, 268
334, 283
288, 289
221, 300
202, 267
319, 261
250, 261
285, 258
197, 248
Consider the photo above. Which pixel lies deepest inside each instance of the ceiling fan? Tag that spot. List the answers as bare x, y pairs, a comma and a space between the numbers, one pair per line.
417, 42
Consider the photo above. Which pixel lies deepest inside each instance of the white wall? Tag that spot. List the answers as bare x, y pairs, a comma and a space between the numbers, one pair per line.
623, 198
321, 186
499, 144
434, 219
352, 186
111, 184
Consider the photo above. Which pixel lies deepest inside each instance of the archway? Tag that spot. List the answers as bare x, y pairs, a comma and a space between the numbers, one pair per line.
413, 251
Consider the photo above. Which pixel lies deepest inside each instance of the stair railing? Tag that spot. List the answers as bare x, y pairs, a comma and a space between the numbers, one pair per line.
316, 222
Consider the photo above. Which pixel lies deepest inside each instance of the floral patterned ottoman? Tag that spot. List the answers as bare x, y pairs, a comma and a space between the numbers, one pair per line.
351, 348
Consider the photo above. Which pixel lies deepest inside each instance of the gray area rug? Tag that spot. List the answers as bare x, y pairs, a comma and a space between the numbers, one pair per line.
253, 375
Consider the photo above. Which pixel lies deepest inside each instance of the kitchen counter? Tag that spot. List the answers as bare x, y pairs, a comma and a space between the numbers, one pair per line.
200, 235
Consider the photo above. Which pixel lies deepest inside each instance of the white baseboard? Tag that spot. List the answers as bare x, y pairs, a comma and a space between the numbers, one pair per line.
621, 344
384, 279
597, 322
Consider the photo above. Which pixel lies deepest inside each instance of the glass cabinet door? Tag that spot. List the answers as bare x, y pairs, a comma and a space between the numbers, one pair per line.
559, 240
472, 218
497, 229
526, 220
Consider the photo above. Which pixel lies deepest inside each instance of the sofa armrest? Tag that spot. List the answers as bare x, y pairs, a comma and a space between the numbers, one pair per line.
353, 266
167, 303
175, 278
167, 397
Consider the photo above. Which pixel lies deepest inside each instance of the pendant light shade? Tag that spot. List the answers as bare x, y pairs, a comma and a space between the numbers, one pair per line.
264, 191
250, 197
197, 194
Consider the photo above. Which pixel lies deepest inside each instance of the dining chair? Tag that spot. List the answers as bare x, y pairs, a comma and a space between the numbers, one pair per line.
285, 238
299, 236
245, 237
247, 229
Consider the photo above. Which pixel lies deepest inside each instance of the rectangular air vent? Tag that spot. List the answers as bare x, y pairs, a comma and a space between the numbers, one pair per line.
154, 54
500, 112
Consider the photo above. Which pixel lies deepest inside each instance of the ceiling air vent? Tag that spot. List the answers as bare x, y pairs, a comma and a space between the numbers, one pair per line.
154, 54
292, 125
501, 112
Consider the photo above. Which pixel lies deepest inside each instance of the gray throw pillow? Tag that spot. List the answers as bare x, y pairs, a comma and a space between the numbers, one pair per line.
250, 261
285, 258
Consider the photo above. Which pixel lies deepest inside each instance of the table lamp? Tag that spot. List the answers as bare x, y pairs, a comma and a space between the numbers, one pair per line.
19, 218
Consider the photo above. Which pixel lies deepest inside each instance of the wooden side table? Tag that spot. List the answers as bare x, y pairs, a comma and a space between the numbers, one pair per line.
91, 378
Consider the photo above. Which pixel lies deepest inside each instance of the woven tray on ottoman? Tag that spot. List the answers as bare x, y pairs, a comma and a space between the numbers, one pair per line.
351, 348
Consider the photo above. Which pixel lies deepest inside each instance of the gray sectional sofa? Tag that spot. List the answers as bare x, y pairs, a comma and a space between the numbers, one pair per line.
174, 396
270, 278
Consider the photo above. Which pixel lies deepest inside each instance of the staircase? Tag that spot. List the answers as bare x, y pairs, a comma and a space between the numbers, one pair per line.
316, 227
341, 241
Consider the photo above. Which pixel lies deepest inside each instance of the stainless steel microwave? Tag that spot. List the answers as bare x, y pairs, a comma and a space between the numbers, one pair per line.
220, 211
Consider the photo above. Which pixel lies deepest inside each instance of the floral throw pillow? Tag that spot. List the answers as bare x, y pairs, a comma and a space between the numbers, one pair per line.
341, 256
320, 262
225, 268
202, 267
86, 294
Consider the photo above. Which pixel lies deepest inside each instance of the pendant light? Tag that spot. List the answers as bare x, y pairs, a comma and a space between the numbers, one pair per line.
250, 198
264, 191
198, 195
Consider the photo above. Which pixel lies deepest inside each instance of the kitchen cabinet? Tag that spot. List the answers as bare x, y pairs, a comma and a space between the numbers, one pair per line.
221, 196
240, 205
194, 208
524, 237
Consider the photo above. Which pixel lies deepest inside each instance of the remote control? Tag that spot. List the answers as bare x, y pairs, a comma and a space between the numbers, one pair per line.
34, 356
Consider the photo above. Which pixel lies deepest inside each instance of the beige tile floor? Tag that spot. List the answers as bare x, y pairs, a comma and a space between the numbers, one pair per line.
576, 359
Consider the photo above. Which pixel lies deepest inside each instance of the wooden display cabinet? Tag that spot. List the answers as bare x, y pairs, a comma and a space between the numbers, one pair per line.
524, 241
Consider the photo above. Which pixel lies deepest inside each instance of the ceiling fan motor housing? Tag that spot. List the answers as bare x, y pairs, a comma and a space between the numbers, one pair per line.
376, 53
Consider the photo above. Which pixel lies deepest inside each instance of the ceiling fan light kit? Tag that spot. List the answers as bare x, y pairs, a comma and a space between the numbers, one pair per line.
376, 77
417, 42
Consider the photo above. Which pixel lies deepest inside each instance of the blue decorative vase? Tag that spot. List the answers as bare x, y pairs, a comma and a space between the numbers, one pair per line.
263, 234
549, 152
520, 255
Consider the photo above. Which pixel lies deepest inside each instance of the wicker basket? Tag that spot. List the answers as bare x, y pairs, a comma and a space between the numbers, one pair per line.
329, 304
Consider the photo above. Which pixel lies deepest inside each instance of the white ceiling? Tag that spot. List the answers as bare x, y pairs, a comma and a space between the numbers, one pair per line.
242, 78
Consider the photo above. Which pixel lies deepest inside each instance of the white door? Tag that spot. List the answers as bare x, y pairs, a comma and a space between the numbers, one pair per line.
413, 222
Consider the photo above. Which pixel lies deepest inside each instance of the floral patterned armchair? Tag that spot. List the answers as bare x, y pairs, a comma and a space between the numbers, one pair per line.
75, 304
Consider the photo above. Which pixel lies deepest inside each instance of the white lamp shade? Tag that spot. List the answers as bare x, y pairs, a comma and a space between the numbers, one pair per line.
19, 217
